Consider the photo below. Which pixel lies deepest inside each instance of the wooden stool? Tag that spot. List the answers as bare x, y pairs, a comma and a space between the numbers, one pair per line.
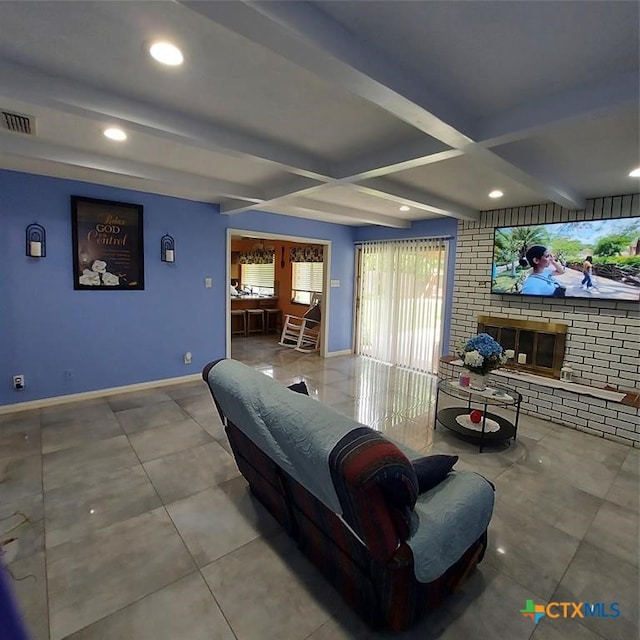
273, 320
255, 321
240, 318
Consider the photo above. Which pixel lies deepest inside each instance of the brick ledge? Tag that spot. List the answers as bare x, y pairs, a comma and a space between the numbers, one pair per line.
613, 395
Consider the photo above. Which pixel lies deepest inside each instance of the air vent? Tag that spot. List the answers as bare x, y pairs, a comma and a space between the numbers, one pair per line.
18, 123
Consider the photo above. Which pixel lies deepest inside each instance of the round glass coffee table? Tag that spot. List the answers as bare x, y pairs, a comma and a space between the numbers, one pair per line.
491, 427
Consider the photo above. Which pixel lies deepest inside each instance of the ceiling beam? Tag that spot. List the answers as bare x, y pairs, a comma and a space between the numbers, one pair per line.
273, 195
29, 84
292, 188
416, 198
378, 188
320, 216
23, 146
25, 83
564, 197
304, 35
344, 215
393, 159
363, 217
309, 207
230, 206
308, 37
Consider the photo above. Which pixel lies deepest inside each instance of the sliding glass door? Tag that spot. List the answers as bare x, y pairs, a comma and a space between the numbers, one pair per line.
400, 301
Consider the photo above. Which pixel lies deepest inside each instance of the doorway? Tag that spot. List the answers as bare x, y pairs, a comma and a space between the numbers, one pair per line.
280, 293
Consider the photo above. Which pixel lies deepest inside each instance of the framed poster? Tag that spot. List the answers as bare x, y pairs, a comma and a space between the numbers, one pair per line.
107, 244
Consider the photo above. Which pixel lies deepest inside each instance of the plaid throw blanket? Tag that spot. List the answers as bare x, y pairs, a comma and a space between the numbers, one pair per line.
377, 488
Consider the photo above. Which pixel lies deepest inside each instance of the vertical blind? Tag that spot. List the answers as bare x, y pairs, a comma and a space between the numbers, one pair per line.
400, 308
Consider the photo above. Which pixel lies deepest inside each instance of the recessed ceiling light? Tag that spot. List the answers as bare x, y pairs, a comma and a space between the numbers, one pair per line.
496, 194
113, 133
405, 208
166, 53
635, 173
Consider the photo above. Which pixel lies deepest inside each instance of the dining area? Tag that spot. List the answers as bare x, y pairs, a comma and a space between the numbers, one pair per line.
275, 292
255, 314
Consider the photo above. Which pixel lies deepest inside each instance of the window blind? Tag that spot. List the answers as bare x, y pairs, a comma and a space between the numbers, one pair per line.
257, 275
306, 279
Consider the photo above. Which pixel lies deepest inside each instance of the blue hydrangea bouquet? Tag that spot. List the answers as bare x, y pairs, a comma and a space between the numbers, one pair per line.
481, 354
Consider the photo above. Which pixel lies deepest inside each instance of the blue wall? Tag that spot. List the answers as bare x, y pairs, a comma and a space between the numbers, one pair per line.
67, 341
440, 227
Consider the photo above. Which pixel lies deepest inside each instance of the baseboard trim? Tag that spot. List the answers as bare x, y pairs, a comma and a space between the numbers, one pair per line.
98, 393
344, 352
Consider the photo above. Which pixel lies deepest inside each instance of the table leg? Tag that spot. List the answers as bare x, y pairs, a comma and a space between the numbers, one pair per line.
484, 424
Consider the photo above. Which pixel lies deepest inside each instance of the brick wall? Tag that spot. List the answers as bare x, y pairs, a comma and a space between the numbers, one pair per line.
603, 337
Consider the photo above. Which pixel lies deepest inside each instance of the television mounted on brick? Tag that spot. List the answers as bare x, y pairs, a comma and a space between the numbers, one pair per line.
591, 259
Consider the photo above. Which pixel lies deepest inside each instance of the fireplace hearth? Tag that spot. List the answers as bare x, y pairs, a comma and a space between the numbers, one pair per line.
541, 343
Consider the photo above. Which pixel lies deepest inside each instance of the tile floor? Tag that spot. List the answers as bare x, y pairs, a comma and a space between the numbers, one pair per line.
138, 524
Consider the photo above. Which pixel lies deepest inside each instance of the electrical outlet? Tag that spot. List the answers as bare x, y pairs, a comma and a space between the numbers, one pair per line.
187, 357
18, 382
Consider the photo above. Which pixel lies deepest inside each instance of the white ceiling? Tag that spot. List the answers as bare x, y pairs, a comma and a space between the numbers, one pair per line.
336, 111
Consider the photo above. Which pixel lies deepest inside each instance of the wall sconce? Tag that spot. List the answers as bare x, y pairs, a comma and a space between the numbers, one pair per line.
167, 249
36, 245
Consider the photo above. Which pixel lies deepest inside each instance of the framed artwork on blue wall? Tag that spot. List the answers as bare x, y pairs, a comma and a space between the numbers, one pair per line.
108, 250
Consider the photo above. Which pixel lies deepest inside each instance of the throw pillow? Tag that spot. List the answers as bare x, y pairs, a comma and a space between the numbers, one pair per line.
299, 387
432, 470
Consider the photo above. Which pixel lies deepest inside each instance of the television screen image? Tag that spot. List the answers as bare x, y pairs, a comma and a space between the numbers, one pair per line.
596, 259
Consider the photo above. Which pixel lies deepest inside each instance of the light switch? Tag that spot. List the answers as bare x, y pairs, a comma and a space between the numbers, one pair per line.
335, 283
208, 283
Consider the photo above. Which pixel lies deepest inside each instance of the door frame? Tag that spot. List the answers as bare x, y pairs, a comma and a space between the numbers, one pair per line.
326, 280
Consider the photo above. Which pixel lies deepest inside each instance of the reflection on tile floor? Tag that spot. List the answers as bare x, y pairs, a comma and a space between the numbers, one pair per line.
132, 521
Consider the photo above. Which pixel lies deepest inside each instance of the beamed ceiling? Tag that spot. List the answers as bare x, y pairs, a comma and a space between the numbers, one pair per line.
335, 111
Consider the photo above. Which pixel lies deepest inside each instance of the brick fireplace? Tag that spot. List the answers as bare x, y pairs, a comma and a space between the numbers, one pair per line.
540, 345
602, 339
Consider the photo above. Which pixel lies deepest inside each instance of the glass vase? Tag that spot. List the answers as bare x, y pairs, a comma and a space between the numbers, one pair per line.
478, 381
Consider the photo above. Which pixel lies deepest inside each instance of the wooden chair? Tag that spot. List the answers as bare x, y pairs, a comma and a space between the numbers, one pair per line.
302, 333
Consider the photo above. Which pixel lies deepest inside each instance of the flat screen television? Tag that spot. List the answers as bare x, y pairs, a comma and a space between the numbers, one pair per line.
595, 259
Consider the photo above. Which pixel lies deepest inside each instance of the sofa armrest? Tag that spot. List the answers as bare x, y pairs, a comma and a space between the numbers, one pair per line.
377, 488
205, 376
447, 520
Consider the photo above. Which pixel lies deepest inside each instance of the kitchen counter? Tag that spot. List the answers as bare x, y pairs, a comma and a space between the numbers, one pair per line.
253, 302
